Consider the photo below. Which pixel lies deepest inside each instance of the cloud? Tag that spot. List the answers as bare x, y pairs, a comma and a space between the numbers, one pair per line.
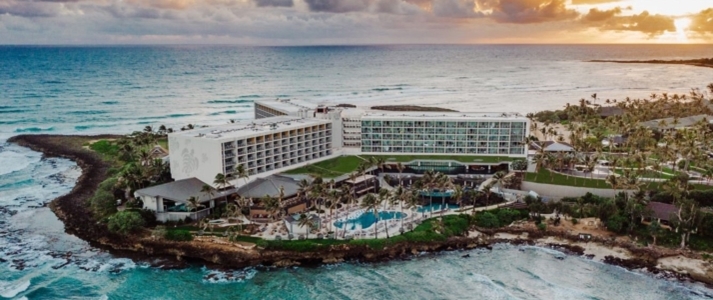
702, 22
596, 15
164, 4
397, 7
578, 2
527, 11
644, 22
337, 6
29, 9
455, 9
277, 3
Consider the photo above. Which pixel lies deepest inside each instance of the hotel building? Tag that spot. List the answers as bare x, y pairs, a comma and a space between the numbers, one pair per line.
287, 134
262, 146
443, 133
290, 134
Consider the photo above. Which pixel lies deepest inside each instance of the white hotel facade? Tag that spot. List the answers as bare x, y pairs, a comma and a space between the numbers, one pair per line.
287, 134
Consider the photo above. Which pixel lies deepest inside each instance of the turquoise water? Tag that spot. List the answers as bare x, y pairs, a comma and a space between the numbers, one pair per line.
436, 194
84, 90
367, 219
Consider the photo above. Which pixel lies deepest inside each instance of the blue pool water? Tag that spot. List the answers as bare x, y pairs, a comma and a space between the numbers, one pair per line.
367, 219
437, 194
436, 207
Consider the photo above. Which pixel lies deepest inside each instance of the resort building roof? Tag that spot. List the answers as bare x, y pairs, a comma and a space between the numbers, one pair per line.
250, 127
181, 190
662, 211
270, 185
609, 111
439, 115
289, 106
551, 146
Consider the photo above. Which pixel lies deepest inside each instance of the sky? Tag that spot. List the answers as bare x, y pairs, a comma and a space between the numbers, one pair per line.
325, 22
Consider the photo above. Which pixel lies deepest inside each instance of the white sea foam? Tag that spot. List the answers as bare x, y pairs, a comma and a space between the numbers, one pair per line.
11, 289
221, 276
13, 160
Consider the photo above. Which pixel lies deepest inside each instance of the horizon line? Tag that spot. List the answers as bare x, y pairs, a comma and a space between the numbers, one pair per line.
352, 45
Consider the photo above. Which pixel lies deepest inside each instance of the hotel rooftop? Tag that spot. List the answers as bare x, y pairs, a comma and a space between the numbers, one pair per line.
447, 115
289, 106
250, 127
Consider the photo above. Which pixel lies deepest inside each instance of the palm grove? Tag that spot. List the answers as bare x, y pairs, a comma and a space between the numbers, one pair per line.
666, 162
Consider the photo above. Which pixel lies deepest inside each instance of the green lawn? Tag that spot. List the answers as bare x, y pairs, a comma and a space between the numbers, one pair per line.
460, 158
547, 177
559, 179
163, 142
330, 168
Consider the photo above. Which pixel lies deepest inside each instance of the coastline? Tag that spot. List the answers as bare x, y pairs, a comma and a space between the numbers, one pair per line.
70, 209
705, 62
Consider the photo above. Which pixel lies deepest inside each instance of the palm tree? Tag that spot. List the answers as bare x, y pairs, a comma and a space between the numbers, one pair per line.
306, 222
487, 190
242, 173
272, 206
498, 179
372, 203
193, 204
613, 181
443, 182
384, 196
400, 167
412, 200
221, 182
232, 210
334, 197
458, 194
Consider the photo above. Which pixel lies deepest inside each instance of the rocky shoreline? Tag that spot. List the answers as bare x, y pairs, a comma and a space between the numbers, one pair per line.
75, 215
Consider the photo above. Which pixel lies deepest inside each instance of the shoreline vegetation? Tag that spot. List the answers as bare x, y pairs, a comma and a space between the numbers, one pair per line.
457, 233
702, 62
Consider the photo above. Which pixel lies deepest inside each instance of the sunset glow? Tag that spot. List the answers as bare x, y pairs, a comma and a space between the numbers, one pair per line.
290, 22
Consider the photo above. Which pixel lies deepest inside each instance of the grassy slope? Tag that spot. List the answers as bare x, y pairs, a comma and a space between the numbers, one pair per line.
330, 168
547, 177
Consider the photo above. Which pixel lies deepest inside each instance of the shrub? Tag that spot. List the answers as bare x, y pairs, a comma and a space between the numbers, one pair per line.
178, 235
103, 204
616, 223
125, 222
519, 165
575, 221
507, 216
542, 226
487, 220
105, 147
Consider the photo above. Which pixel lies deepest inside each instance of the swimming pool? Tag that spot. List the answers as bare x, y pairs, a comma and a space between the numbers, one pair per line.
437, 194
367, 219
436, 207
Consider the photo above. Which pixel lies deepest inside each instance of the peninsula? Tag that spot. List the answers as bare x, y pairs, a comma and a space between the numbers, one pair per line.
702, 62
308, 184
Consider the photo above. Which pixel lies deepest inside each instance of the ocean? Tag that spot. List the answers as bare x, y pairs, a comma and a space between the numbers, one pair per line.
87, 90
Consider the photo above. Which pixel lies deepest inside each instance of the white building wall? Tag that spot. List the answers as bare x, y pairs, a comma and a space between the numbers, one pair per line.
197, 157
